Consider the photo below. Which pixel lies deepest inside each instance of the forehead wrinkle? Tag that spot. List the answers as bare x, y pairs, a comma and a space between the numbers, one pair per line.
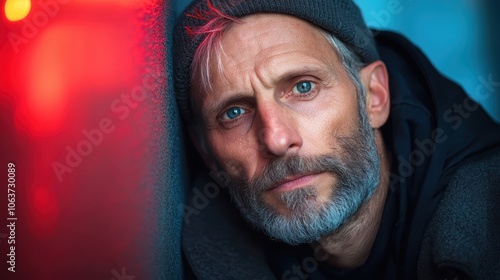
282, 70
269, 69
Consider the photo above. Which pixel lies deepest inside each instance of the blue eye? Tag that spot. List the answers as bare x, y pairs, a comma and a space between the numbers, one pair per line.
303, 87
233, 113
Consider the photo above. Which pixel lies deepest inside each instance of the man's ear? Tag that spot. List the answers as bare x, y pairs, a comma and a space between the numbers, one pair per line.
376, 81
199, 140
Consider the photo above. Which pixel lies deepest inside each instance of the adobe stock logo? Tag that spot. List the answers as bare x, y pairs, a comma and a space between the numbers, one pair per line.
122, 275
454, 116
383, 17
122, 108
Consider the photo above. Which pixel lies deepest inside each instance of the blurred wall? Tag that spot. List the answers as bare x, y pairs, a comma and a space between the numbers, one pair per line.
90, 132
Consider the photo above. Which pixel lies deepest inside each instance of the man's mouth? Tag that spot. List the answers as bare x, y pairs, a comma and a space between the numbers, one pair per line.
294, 182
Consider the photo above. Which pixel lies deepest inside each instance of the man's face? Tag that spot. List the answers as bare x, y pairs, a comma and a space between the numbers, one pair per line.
283, 120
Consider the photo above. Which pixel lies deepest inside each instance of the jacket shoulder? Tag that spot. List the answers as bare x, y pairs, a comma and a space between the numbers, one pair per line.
463, 236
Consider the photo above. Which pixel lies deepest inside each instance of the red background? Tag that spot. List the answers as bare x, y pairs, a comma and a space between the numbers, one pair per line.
78, 64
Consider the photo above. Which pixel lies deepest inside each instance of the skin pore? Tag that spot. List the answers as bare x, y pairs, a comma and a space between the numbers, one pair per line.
283, 93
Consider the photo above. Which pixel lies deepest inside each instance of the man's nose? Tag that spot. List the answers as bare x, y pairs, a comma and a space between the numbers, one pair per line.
278, 134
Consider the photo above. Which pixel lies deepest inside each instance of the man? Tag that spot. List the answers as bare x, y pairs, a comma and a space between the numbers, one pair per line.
347, 157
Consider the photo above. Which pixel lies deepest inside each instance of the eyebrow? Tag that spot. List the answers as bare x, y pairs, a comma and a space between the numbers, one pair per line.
306, 70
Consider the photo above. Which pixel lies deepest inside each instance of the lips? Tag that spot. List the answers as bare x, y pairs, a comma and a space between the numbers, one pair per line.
294, 182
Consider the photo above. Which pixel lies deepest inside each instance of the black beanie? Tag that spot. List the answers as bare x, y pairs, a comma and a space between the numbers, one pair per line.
341, 18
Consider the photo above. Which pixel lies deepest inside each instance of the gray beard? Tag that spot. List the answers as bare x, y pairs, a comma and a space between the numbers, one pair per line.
358, 173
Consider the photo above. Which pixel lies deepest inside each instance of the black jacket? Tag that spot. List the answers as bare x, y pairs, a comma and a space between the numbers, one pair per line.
442, 213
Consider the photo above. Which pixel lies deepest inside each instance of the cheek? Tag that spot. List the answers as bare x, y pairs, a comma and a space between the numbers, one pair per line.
233, 154
331, 117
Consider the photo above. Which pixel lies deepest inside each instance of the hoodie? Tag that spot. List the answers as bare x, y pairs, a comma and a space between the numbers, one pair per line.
434, 129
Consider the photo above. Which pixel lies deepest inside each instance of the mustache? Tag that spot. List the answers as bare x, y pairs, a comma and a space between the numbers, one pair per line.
295, 165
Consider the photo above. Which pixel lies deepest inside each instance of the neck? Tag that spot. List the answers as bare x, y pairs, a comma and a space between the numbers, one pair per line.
349, 246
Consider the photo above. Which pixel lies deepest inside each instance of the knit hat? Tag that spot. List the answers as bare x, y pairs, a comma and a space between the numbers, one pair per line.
342, 18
